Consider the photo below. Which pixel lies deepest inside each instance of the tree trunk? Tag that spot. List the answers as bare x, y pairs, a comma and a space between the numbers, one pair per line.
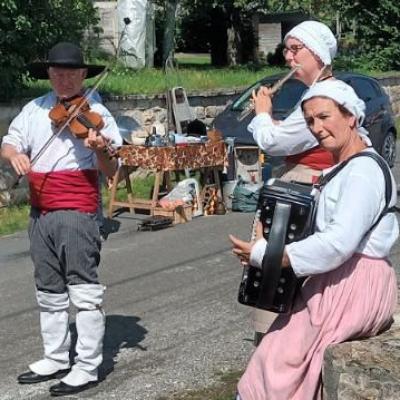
169, 30
218, 39
255, 22
150, 43
234, 45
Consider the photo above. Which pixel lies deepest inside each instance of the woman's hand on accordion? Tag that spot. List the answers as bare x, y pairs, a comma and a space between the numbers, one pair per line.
242, 249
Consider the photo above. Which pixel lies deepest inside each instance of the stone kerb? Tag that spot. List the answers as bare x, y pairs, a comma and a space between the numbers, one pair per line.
364, 369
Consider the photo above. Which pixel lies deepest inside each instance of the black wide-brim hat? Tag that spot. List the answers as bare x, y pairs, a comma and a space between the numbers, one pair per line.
63, 55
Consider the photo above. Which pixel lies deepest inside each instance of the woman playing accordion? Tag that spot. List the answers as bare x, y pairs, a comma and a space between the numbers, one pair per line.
350, 290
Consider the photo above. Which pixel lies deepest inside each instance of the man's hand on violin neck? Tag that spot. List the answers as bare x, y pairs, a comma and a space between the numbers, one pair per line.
95, 141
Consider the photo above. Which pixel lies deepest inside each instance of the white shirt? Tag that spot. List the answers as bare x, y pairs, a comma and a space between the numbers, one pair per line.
288, 137
32, 128
348, 206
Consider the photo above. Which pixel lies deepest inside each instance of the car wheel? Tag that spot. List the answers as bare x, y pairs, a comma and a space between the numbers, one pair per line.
388, 150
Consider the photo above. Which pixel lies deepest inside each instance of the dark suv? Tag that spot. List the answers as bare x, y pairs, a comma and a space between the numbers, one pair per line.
378, 121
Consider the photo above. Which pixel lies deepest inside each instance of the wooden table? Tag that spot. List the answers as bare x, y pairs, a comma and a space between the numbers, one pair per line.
206, 158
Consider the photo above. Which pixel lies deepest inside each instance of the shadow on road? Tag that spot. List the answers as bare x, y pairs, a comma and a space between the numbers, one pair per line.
122, 332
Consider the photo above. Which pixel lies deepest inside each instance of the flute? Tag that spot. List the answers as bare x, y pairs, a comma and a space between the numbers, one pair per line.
250, 108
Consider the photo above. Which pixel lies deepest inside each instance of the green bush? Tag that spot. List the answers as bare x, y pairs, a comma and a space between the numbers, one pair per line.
28, 28
376, 41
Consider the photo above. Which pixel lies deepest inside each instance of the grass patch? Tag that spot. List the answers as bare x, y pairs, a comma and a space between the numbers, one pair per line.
224, 390
141, 187
193, 71
192, 60
151, 81
13, 219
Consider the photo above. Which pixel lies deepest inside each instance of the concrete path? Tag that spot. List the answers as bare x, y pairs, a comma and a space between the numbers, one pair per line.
173, 321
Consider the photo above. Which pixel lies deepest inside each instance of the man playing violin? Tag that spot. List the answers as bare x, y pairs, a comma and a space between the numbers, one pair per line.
64, 237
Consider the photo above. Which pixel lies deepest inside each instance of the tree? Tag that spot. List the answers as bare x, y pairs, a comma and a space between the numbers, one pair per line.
28, 28
376, 30
169, 29
223, 25
369, 30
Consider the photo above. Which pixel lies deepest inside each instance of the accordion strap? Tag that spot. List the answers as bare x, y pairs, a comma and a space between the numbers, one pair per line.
272, 260
386, 173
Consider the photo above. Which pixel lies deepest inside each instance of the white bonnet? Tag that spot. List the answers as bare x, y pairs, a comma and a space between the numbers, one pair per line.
317, 37
342, 94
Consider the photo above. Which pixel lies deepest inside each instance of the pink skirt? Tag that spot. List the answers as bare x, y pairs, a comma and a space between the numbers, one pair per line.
355, 300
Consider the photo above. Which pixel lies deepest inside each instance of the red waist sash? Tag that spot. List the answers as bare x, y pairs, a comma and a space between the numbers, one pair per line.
316, 158
72, 190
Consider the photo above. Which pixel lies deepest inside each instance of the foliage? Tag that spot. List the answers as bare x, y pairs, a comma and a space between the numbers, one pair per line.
376, 30
28, 28
223, 27
369, 31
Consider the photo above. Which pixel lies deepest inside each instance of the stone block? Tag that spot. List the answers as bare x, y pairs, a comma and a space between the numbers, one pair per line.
364, 369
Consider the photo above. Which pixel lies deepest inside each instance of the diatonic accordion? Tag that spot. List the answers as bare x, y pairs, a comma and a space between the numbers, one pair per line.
287, 213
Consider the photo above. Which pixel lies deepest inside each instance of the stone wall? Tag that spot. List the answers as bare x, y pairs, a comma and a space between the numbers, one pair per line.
109, 24
364, 369
150, 109
392, 88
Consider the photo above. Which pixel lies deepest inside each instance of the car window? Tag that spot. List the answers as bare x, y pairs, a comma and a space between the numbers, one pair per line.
285, 99
242, 102
289, 95
365, 89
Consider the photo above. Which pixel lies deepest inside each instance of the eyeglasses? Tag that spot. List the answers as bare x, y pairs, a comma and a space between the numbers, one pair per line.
294, 49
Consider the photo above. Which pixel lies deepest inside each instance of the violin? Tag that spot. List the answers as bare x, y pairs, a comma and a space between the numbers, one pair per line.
80, 123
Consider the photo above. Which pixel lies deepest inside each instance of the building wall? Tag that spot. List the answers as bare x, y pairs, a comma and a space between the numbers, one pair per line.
109, 24
269, 36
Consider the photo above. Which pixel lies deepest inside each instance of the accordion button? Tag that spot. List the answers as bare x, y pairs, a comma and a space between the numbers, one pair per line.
290, 236
282, 280
279, 290
256, 284
293, 227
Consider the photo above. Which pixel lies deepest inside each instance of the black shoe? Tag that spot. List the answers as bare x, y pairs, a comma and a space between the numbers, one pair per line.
32, 377
63, 389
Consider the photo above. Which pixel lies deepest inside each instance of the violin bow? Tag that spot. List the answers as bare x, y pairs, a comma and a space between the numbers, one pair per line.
79, 106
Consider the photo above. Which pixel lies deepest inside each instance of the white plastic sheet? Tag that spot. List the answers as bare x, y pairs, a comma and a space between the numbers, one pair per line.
133, 42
